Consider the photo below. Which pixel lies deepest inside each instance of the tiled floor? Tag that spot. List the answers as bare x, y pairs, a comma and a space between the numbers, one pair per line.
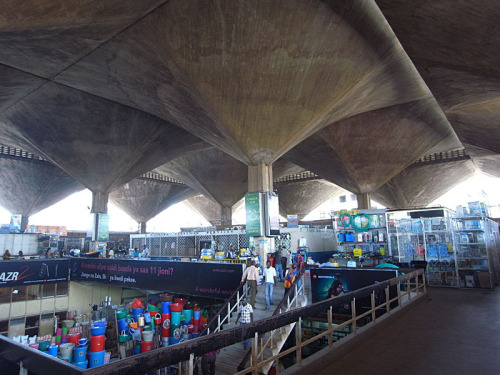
453, 332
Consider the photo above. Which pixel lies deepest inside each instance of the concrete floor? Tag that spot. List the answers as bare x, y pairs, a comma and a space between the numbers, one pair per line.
452, 332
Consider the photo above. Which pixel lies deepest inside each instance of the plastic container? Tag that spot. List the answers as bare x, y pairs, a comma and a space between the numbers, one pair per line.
43, 345
74, 337
82, 364
146, 346
166, 297
96, 358
66, 350
97, 331
121, 314
176, 317
147, 335
122, 324
97, 343
79, 354
53, 350
176, 307
34, 346
182, 301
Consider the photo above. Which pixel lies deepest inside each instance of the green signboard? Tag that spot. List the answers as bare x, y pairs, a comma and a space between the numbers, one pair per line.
103, 227
253, 208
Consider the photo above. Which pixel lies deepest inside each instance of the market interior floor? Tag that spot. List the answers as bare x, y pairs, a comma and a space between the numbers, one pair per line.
452, 332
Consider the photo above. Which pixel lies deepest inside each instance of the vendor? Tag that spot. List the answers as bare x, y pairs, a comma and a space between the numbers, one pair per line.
6, 255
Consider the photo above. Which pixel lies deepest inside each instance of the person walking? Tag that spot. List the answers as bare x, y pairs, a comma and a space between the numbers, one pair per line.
251, 275
301, 267
245, 316
277, 263
290, 278
208, 362
270, 282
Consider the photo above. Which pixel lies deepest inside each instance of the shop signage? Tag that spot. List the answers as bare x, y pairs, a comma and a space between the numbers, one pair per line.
293, 221
254, 213
28, 272
215, 280
351, 279
272, 215
103, 227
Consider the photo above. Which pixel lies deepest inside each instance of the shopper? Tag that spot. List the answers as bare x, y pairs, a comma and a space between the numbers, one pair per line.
20, 255
246, 314
208, 362
301, 267
251, 275
270, 282
290, 277
6, 255
277, 262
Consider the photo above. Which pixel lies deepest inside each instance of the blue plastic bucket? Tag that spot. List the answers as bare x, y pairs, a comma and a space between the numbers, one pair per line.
82, 364
165, 307
174, 340
79, 354
176, 318
123, 324
188, 314
53, 350
96, 358
197, 314
136, 313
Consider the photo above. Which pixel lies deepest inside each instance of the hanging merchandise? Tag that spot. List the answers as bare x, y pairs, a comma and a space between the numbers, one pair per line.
360, 222
344, 220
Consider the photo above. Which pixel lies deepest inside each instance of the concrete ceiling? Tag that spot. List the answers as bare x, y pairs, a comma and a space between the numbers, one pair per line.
144, 199
352, 91
28, 186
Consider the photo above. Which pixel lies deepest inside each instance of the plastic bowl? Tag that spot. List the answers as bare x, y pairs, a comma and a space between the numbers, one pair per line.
68, 323
96, 331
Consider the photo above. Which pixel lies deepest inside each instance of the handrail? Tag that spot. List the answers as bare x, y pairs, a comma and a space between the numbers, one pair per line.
36, 361
217, 315
277, 311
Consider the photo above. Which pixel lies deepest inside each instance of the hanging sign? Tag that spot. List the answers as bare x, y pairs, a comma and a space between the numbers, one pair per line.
254, 215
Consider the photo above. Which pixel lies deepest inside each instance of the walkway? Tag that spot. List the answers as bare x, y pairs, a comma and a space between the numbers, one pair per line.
453, 332
230, 357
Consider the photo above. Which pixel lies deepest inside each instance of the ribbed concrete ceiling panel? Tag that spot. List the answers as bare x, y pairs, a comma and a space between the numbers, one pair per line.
261, 76
404, 190
356, 153
144, 199
100, 143
29, 186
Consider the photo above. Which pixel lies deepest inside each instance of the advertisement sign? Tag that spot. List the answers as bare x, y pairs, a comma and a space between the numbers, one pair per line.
102, 227
215, 280
15, 223
272, 215
254, 214
15, 273
325, 281
292, 221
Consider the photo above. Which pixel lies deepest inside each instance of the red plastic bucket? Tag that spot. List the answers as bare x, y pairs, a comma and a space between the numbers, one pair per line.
176, 307
74, 338
146, 346
97, 343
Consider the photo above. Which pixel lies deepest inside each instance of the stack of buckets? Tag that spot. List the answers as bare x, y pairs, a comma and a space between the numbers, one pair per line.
97, 344
166, 319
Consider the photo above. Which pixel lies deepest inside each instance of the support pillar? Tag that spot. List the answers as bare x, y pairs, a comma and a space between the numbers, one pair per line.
142, 227
364, 201
226, 216
99, 202
260, 177
24, 223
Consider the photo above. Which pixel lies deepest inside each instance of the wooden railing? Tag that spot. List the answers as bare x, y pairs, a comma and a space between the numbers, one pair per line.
414, 288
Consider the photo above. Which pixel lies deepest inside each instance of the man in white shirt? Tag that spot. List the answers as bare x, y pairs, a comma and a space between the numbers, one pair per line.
270, 282
246, 314
145, 252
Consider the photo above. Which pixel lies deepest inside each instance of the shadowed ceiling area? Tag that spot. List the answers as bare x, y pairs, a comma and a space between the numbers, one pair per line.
353, 91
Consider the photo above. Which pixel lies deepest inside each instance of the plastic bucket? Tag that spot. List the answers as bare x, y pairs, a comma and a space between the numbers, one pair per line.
97, 343
43, 345
82, 364
66, 350
174, 340
99, 323
79, 354
165, 341
65, 359
166, 297
176, 333
165, 307
153, 308
176, 317
158, 318
182, 301
97, 331
83, 341
176, 307
74, 337
187, 314
53, 350
147, 335
147, 317
121, 314
96, 358
136, 312
196, 314
122, 324
34, 346
146, 346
